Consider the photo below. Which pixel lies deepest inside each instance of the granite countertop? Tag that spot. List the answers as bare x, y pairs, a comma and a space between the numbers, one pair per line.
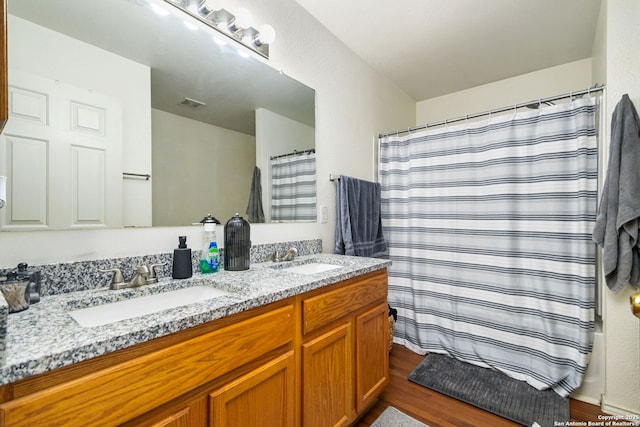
45, 337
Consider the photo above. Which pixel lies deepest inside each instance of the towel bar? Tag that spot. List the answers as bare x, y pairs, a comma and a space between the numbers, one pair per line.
146, 176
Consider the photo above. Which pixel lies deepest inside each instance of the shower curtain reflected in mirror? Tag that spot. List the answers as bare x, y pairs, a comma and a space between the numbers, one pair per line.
293, 187
489, 229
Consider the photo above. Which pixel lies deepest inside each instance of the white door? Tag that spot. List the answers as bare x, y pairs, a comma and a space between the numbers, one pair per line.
62, 155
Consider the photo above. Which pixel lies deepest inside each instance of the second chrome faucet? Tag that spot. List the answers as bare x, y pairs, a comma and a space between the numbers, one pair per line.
289, 256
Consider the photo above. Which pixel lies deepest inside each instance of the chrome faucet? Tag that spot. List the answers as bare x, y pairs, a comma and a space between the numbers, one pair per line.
144, 276
140, 278
289, 256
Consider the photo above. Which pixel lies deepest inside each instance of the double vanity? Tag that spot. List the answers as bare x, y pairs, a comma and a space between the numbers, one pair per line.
303, 342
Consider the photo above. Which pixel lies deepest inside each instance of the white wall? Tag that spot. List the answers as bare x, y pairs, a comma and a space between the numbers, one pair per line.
198, 169
353, 105
545, 83
83, 65
621, 328
276, 135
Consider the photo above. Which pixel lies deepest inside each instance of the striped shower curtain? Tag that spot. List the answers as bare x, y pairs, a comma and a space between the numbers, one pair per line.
293, 188
489, 230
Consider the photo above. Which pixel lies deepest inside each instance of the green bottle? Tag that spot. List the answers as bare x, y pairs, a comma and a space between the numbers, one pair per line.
210, 257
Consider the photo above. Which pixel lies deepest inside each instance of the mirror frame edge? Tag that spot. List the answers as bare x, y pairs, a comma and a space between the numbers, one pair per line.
4, 83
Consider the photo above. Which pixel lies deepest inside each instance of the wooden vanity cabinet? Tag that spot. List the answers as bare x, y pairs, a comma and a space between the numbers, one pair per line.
140, 382
345, 359
317, 359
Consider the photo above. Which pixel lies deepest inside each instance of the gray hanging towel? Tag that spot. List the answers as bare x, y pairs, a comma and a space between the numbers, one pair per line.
359, 220
254, 210
616, 228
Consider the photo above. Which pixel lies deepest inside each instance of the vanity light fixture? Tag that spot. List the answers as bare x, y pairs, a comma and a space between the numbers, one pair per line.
237, 27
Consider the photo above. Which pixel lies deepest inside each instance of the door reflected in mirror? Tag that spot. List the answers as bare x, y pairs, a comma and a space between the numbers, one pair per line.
195, 115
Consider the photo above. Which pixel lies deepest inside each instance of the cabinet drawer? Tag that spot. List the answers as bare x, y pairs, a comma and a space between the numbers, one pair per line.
114, 395
323, 309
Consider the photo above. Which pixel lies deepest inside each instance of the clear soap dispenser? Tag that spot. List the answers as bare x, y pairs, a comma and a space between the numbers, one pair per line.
210, 257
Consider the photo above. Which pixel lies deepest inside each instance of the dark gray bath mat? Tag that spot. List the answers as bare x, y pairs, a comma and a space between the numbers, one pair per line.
491, 390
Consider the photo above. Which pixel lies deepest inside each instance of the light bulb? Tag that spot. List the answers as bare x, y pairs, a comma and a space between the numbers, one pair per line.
267, 34
207, 7
244, 19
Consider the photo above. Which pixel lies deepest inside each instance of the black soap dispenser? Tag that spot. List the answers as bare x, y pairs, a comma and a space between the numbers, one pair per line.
182, 267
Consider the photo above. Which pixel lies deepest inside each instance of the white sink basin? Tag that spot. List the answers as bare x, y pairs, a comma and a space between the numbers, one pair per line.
141, 306
312, 268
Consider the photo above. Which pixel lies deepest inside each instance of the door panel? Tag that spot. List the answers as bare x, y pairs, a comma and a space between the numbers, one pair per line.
82, 133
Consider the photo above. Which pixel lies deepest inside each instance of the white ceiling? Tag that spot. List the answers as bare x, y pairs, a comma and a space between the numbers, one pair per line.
434, 47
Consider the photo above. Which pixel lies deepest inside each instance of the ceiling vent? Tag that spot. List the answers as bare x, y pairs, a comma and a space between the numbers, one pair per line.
192, 103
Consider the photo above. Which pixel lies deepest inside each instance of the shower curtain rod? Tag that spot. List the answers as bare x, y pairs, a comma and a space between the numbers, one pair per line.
533, 104
293, 153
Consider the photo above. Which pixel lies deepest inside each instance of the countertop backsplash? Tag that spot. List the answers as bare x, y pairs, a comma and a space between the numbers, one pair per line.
84, 275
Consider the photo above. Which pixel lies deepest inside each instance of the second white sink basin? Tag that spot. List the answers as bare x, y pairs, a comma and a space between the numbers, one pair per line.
141, 306
312, 268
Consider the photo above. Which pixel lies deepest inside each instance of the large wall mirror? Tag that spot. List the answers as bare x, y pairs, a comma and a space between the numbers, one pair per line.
124, 115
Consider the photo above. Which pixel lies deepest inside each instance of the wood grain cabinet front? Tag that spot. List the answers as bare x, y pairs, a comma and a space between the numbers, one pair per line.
318, 359
327, 368
112, 396
264, 397
345, 359
192, 414
372, 355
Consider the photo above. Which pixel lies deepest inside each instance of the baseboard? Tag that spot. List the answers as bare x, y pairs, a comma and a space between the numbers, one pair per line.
626, 414
586, 399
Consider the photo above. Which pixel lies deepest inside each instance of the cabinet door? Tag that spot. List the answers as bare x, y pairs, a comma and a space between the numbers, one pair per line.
182, 418
263, 397
192, 413
328, 378
372, 356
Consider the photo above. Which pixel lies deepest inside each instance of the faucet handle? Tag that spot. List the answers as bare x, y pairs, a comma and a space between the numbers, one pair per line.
276, 256
117, 279
152, 278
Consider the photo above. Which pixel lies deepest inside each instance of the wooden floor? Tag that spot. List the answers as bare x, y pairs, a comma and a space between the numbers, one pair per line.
438, 410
